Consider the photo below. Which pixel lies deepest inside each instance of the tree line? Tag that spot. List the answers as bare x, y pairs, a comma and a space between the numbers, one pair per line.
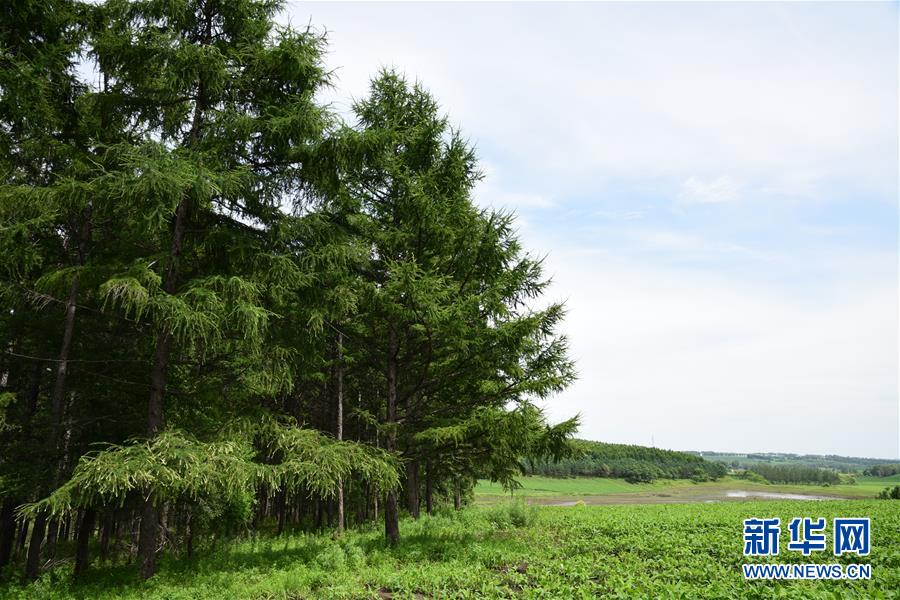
795, 474
632, 463
883, 470
225, 308
841, 464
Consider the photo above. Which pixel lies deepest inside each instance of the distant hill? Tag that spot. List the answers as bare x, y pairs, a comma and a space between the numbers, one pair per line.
633, 463
843, 464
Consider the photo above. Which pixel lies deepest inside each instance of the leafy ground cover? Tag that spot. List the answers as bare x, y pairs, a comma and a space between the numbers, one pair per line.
507, 551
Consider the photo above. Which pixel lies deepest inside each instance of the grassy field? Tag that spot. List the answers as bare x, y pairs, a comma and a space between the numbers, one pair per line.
595, 490
508, 551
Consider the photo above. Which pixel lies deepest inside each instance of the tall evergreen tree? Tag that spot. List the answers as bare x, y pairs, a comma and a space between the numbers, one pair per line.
446, 285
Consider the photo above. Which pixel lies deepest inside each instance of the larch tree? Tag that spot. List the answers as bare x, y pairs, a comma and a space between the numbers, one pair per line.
446, 285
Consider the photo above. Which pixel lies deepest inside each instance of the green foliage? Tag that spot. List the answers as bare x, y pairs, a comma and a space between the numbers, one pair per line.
169, 466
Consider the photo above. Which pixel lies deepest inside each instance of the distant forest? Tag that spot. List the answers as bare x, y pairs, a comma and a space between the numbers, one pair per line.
632, 463
643, 464
795, 474
842, 464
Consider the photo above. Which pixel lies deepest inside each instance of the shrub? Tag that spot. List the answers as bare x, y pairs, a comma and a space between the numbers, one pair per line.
890, 493
331, 559
754, 477
514, 514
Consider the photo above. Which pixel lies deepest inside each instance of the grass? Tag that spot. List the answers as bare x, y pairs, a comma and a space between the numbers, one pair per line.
507, 551
619, 491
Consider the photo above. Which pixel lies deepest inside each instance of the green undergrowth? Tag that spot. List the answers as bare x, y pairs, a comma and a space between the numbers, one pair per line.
505, 551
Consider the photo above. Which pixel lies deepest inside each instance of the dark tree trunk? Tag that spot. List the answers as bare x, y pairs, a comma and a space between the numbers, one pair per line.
320, 514
282, 509
412, 488
33, 560
262, 496
457, 495
7, 531
64, 528
429, 489
362, 508
23, 535
150, 515
52, 534
391, 518
391, 512
105, 534
149, 538
57, 397
59, 386
189, 539
83, 539
339, 409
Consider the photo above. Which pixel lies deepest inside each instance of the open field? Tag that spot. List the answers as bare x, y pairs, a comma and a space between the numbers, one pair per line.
596, 490
643, 551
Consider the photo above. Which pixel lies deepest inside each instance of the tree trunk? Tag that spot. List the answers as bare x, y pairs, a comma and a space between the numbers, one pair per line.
7, 531
429, 489
59, 386
189, 541
23, 535
391, 512
320, 514
64, 528
105, 533
83, 539
412, 488
52, 534
339, 385
33, 560
58, 394
262, 496
457, 495
282, 509
149, 538
150, 515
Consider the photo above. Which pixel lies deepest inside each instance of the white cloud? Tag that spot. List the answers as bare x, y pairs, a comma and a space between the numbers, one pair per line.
689, 246
709, 191
618, 91
512, 200
491, 192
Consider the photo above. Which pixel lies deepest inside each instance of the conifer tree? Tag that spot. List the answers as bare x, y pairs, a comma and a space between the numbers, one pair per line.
446, 287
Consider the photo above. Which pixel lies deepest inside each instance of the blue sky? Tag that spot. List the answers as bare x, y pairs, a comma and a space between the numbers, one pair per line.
715, 186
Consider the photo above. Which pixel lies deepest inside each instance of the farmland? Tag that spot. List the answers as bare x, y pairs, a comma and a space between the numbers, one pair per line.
506, 551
